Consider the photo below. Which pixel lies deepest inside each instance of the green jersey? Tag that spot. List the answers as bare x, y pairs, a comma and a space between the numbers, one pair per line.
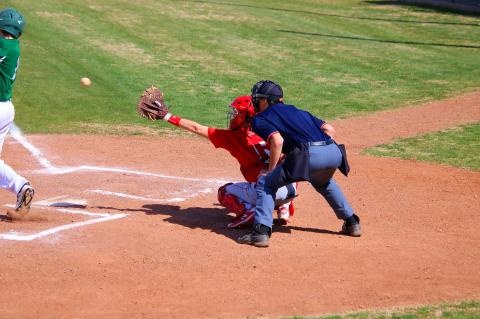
9, 62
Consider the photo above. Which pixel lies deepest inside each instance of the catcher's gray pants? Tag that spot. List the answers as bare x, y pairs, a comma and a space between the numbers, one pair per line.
247, 194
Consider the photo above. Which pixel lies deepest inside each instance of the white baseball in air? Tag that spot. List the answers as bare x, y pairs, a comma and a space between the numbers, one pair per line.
85, 81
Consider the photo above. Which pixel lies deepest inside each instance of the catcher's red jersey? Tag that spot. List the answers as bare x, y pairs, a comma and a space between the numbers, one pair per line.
247, 147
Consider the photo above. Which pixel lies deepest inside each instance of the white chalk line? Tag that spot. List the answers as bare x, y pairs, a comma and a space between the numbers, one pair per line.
43, 161
48, 204
74, 169
51, 231
170, 200
108, 193
16, 133
67, 210
49, 168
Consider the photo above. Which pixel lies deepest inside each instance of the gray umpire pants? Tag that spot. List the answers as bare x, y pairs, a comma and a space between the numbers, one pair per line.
322, 160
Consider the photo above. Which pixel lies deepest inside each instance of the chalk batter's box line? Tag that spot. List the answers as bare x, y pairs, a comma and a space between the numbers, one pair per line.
100, 217
51, 169
192, 195
60, 170
49, 203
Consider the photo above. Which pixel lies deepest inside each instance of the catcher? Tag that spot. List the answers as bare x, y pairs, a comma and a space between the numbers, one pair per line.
248, 148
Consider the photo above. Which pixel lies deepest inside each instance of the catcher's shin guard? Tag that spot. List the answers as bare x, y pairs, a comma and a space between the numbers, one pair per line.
229, 201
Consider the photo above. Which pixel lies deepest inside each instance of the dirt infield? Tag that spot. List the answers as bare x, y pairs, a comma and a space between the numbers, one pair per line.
116, 232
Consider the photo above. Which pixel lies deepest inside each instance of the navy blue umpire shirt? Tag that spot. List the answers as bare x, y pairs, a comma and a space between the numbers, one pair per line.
296, 126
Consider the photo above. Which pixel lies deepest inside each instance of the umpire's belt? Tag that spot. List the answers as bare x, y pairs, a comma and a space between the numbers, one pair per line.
320, 143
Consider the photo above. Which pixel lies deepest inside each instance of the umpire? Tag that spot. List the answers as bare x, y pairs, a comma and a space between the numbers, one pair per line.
311, 155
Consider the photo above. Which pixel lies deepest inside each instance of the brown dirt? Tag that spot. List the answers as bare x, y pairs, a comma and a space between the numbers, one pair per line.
178, 260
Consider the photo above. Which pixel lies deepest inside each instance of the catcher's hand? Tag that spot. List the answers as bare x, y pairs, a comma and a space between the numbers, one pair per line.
151, 104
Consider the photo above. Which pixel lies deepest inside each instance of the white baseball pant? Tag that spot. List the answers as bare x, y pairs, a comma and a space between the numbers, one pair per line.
9, 179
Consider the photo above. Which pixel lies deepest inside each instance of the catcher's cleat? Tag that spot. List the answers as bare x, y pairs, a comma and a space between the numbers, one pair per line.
351, 226
243, 220
24, 199
256, 237
283, 214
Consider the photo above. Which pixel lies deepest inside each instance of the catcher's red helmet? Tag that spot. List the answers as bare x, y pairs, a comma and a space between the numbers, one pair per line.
241, 109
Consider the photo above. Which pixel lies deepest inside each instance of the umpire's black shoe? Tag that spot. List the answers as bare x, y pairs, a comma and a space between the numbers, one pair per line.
351, 226
258, 237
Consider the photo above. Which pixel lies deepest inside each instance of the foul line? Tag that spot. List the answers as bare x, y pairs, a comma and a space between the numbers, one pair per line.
17, 135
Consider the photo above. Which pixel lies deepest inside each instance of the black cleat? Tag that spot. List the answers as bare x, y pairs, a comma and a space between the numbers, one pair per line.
258, 237
351, 226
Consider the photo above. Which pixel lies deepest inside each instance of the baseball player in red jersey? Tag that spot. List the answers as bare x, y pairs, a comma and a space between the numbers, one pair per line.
252, 154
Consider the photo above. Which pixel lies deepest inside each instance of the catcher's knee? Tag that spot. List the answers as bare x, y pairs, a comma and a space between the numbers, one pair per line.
230, 201
222, 190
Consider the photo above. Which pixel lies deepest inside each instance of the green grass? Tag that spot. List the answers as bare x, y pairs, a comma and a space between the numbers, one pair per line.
458, 146
334, 58
464, 310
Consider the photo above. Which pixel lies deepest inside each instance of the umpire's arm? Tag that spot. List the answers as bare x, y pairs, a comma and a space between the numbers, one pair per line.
276, 143
328, 129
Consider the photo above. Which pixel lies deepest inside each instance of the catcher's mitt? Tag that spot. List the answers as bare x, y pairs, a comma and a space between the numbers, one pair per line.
151, 104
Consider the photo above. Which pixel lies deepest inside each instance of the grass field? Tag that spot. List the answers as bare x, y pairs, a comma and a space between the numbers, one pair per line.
334, 58
458, 146
464, 310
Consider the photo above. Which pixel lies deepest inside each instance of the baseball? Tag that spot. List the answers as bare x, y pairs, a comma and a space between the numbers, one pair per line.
85, 81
